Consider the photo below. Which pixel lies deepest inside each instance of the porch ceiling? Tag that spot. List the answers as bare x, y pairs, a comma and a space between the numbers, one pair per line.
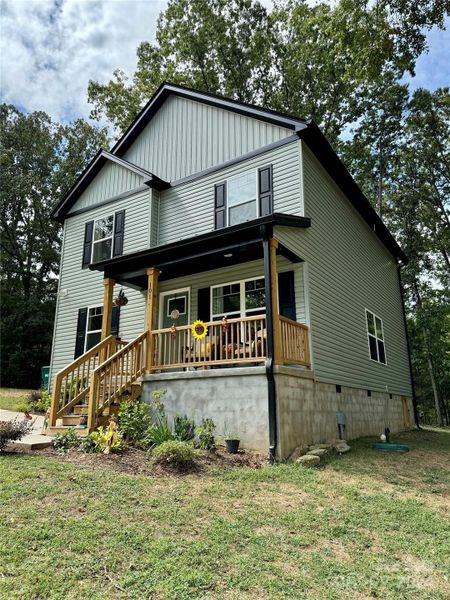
201, 253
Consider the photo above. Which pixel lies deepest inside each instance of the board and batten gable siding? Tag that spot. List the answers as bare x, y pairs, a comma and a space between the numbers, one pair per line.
82, 287
234, 273
186, 137
187, 210
348, 270
110, 181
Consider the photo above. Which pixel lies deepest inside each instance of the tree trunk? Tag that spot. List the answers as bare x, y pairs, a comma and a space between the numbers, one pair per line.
437, 404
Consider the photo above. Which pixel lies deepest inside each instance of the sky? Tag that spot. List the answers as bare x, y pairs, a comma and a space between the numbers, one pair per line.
50, 49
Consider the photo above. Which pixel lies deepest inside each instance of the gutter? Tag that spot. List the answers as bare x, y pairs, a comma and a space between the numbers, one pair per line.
413, 387
271, 389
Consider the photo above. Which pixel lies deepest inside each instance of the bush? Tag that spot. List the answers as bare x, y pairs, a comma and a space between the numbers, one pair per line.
12, 431
158, 434
134, 421
174, 453
62, 442
108, 440
88, 445
183, 428
205, 435
39, 401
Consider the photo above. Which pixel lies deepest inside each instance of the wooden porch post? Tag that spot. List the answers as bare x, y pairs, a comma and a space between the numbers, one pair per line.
150, 318
107, 306
277, 347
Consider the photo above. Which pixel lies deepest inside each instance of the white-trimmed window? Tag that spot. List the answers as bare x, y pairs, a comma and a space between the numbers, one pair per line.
102, 243
178, 303
242, 196
375, 337
240, 298
93, 327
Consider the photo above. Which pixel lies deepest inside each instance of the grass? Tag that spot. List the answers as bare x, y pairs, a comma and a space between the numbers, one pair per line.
366, 525
12, 399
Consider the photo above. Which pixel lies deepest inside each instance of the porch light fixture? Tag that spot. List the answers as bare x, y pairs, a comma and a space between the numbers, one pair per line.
229, 255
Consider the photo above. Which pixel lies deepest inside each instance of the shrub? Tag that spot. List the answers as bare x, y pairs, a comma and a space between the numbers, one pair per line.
108, 440
205, 435
183, 428
88, 445
175, 453
62, 442
158, 434
23, 407
134, 421
39, 401
12, 431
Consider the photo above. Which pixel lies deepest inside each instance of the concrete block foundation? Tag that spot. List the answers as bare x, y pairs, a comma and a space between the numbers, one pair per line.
237, 398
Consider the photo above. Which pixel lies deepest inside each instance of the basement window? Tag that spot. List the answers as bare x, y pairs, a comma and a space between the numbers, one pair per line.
375, 337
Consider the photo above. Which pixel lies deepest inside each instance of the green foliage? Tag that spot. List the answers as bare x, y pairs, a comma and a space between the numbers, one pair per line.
88, 444
205, 435
64, 441
108, 439
39, 401
174, 453
134, 421
183, 428
158, 433
12, 431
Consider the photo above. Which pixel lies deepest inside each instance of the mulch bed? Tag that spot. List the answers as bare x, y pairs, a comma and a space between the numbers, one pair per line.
134, 461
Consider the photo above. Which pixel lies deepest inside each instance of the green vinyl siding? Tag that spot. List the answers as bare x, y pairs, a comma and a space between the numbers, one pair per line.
348, 270
186, 137
188, 210
111, 181
234, 273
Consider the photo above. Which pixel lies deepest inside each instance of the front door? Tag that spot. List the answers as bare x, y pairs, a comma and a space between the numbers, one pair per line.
174, 308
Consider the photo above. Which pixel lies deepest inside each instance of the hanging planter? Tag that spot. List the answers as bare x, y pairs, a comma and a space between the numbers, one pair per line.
121, 299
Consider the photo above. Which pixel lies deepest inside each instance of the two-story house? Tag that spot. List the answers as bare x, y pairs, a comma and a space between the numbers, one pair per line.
244, 219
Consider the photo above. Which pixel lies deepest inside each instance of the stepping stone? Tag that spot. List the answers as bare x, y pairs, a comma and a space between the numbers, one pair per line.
318, 452
299, 451
341, 446
309, 460
33, 441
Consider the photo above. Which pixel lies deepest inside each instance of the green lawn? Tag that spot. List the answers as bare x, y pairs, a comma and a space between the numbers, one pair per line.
366, 525
11, 399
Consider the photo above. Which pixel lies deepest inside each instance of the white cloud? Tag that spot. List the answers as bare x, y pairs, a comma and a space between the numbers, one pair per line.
51, 48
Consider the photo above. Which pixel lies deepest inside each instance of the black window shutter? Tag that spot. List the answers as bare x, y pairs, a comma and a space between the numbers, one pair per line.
265, 185
204, 304
81, 332
220, 205
87, 246
286, 295
119, 228
115, 319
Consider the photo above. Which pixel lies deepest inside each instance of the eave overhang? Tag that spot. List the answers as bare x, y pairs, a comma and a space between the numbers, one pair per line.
213, 250
61, 209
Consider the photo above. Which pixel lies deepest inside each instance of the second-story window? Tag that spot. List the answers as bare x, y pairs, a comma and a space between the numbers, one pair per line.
103, 239
241, 200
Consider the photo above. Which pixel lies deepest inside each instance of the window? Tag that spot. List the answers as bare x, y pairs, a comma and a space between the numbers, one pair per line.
241, 198
242, 298
178, 304
375, 337
93, 327
103, 239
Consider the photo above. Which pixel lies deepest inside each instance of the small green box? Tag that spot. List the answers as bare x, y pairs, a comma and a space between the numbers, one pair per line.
45, 372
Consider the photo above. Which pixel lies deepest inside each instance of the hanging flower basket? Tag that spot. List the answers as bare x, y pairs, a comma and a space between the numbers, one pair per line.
121, 299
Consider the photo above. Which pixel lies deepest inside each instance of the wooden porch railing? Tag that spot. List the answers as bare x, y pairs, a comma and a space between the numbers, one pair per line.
71, 385
239, 341
116, 375
294, 342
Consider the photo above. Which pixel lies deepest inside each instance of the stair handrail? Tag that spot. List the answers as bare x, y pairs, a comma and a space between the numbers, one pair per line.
71, 384
115, 375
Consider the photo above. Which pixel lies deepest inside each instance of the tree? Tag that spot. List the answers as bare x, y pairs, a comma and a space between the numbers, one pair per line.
39, 162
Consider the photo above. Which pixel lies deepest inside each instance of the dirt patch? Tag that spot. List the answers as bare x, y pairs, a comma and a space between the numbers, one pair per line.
134, 461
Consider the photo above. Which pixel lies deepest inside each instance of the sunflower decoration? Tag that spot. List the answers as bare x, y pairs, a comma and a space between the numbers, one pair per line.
199, 330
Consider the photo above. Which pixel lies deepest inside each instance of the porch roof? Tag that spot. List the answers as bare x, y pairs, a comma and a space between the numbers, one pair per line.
201, 253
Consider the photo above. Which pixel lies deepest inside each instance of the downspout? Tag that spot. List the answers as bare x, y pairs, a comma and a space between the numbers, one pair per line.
271, 390
408, 347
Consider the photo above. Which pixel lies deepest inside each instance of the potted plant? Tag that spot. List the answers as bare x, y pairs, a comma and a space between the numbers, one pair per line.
232, 441
121, 299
